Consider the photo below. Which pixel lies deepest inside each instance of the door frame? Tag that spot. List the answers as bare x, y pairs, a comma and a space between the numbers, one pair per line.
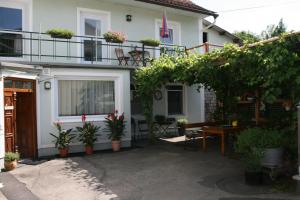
34, 105
105, 18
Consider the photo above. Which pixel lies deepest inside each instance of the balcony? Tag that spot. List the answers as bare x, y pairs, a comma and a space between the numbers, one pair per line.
35, 47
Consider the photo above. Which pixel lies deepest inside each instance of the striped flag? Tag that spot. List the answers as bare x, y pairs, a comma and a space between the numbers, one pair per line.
164, 33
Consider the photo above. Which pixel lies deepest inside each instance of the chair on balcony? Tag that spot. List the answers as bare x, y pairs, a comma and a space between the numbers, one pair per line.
123, 60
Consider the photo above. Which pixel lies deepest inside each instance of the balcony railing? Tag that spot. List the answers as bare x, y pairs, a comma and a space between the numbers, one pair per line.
40, 47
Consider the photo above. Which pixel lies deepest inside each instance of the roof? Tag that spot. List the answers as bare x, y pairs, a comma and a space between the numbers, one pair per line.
222, 31
186, 5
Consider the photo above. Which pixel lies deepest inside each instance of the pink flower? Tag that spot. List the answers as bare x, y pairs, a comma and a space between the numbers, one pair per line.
83, 118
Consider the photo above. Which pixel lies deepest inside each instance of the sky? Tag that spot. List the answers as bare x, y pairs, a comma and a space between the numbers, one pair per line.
255, 19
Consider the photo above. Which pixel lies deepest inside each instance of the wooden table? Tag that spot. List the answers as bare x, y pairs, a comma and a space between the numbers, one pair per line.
218, 130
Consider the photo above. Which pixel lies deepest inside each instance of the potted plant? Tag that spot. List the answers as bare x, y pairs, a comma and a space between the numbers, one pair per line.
114, 37
11, 160
249, 148
88, 135
63, 140
150, 42
60, 33
115, 125
272, 144
253, 168
181, 126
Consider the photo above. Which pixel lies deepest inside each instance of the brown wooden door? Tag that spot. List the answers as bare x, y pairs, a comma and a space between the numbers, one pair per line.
10, 121
25, 124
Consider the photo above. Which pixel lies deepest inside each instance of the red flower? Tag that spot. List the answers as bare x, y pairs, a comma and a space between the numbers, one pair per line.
83, 118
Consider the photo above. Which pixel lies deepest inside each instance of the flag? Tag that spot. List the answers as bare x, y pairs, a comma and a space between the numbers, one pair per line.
164, 33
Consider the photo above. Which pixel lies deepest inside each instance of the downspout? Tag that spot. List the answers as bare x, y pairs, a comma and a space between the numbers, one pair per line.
212, 24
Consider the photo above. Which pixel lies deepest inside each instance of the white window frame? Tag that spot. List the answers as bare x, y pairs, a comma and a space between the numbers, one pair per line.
117, 90
26, 7
105, 17
184, 100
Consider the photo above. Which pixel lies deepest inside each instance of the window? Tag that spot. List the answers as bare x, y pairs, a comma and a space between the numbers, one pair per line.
11, 43
90, 97
205, 37
175, 99
92, 49
168, 40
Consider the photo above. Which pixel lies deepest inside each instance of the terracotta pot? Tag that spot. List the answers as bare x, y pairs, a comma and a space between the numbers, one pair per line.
63, 152
10, 165
88, 150
116, 145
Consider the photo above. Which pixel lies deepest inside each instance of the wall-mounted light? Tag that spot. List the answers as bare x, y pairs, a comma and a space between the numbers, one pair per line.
129, 18
47, 85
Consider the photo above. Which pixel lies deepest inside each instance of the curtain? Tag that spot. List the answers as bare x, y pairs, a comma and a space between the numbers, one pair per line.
90, 97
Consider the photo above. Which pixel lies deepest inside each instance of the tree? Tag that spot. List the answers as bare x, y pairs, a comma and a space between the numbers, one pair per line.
273, 30
247, 36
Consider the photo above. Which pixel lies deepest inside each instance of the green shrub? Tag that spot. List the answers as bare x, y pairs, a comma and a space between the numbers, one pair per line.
10, 156
60, 33
150, 42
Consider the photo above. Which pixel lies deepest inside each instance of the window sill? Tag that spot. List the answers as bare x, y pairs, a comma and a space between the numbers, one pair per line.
75, 119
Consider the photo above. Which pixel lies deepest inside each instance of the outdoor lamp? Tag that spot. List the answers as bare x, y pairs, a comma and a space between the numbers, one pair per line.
129, 18
47, 85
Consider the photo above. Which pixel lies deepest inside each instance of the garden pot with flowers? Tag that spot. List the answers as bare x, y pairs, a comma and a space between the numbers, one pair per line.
114, 37
115, 126
88, 134
63, 140
11, 160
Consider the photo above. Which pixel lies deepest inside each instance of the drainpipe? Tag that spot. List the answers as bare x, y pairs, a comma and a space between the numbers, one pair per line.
297, 177
211, 25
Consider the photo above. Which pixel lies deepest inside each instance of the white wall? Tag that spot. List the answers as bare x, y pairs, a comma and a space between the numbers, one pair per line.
214, 37
48, 108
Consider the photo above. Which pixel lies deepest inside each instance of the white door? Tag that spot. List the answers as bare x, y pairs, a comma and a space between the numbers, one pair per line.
93, 48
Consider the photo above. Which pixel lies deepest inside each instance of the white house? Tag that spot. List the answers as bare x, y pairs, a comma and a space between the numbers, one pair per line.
44, 80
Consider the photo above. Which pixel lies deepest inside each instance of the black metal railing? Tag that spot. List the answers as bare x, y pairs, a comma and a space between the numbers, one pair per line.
41, 47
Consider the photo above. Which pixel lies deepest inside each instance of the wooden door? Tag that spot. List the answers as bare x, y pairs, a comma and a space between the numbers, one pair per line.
10, 121
25, 124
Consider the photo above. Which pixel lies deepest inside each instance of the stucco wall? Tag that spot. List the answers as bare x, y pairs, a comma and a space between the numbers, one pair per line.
47, 107
63, 14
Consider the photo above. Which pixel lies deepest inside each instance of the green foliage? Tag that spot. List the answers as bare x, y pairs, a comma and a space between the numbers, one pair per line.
272, 67
114, 37
60, 33
181, 122
88, 133
115, 126
247, 37
10, 156
64, 137
150, 42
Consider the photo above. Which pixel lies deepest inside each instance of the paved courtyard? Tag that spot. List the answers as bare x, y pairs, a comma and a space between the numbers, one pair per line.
155, 172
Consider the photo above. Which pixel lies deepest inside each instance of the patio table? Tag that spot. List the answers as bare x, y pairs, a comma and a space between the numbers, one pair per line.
218, 130
137, 56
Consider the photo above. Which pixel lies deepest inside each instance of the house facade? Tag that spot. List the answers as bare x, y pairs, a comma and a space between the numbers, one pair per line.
45, 79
